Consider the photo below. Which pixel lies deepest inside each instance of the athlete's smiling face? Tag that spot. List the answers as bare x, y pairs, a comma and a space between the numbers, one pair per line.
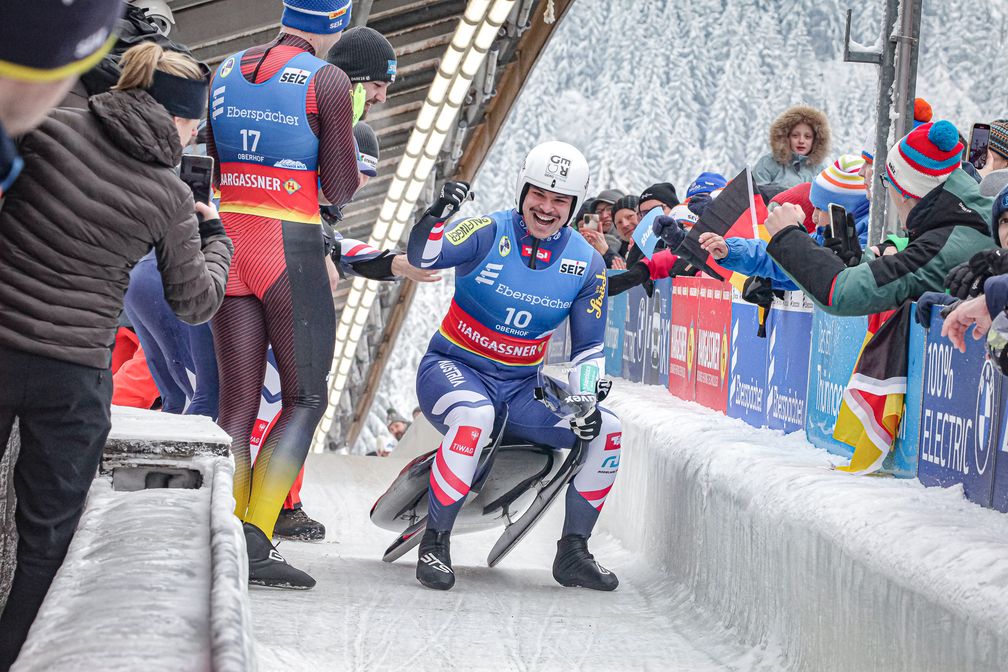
545, 212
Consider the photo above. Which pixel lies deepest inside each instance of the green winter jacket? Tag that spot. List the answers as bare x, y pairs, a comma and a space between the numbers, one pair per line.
947, 227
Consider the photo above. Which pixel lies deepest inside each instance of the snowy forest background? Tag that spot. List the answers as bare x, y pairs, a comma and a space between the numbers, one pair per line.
656, 90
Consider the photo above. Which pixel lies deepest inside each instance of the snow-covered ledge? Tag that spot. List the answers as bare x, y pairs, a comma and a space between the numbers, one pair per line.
155, 579
839, 573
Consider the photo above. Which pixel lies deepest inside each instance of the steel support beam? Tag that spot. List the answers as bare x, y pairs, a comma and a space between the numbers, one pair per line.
479, 142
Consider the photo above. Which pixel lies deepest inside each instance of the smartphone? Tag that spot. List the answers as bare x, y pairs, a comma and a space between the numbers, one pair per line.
590, 221
840, 226
979, 139
197, 172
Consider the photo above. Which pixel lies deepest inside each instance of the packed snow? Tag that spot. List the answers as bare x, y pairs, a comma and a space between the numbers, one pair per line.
737, 549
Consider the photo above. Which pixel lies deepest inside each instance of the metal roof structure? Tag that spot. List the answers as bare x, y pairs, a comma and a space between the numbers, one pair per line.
420, 31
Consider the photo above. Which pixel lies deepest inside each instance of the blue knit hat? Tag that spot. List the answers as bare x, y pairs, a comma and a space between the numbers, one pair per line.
705, 184
320, 17
1000, 207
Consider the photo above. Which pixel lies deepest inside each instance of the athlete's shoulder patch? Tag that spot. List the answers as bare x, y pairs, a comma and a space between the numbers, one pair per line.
461, 231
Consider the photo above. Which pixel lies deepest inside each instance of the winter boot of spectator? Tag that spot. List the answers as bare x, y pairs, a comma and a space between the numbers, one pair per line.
434, 568
574, 566
296, 525
267, 567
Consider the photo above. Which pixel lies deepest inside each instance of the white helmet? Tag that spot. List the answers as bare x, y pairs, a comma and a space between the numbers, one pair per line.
158, 13
558, 167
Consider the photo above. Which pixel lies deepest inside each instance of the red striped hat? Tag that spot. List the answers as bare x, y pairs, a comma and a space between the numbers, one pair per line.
924, 158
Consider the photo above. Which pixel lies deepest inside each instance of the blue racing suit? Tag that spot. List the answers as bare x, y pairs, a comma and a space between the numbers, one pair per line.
485, 358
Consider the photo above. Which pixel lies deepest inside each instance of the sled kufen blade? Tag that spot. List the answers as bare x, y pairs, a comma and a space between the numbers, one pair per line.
517, 530
406, 541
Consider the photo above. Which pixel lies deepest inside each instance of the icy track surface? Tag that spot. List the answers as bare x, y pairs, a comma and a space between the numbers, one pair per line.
368, 615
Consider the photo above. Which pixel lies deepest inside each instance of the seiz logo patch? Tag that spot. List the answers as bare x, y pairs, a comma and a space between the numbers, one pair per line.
466, 439
613, 441
391, 71
461, 232
504, 248
573, 266
294, 76
292, 187
541, 254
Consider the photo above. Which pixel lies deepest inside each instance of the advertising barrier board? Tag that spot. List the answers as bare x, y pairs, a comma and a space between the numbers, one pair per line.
789, 330
747, 370
902, 461
713, 325
959, 416
615, 324
835, 344
685, 294
635, 334
657, 324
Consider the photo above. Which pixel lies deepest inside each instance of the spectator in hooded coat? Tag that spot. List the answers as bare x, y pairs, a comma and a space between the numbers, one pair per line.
799, 144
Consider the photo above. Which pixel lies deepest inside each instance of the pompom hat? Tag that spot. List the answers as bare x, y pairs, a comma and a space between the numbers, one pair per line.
840, 183
924, 158
319, 17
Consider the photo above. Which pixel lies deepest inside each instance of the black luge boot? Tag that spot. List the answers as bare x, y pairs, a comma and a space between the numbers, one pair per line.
575, 566
296, 525
267, 567
434, 568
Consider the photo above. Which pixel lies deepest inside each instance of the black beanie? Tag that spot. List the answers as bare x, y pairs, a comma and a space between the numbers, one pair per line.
625, 203
367, 148
365, 56
663, 192
53, 39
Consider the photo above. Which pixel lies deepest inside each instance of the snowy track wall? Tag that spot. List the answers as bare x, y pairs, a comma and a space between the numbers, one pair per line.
838, 573
156, 575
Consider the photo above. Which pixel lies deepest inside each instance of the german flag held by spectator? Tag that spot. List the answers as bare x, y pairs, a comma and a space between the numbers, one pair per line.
872, 404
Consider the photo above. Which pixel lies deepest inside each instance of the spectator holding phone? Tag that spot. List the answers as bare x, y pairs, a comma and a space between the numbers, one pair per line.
839, 183
938, 204
995, 169
98, 191
799, 143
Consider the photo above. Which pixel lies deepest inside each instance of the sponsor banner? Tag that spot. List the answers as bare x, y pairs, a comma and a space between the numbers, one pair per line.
902, 461
836, 343
635, 334
789, 330
1000, 496
659, 311
682, 337
466, 332
747, 367
558, 349
615, 324
959, 416
713, 325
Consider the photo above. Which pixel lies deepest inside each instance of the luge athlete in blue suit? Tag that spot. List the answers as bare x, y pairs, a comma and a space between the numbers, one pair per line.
519, 274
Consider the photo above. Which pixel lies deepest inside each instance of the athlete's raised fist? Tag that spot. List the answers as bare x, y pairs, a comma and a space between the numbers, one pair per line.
452, 195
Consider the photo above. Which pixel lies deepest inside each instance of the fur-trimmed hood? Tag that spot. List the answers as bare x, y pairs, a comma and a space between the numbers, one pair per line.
780, 129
